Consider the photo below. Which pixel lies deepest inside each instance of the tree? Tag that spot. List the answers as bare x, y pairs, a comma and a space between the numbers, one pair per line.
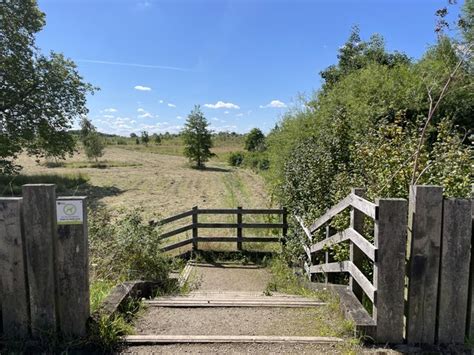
133, 135
40, 96
145, 137
197, 138
93, 144
156, 138
255, 141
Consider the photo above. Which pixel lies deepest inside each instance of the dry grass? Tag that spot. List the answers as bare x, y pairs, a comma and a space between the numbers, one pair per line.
163, 185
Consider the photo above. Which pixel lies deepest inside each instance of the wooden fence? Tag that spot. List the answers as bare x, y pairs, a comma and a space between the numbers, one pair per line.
44, 285
421, 287
239, 227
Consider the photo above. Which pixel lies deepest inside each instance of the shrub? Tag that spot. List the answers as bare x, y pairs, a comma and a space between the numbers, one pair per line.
125, 248
236, 158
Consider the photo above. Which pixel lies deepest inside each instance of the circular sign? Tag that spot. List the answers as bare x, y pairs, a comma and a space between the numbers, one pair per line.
69, 209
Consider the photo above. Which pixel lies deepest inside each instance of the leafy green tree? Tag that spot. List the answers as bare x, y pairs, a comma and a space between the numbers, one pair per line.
145, 137
133, 135
92, 141
40, 96
156, 138
255, 140
197, 138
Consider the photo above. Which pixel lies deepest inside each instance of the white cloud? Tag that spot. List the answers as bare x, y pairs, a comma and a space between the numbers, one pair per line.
239, 115
145, 115
142, 88
161, 101
215, 119
222, 104
171, 105
108, 116
274, 104
179, 117
226, 112
141, 110
111, 109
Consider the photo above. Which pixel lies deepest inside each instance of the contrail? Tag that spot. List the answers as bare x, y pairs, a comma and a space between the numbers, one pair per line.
137, 65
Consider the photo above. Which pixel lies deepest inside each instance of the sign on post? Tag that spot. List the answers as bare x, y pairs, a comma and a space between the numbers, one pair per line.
69, 212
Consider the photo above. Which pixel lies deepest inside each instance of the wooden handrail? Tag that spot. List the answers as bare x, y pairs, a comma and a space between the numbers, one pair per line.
306, 230
348, 234
347, 266
361, 204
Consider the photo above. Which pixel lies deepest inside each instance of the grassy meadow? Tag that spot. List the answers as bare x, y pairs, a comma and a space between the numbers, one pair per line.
158, 180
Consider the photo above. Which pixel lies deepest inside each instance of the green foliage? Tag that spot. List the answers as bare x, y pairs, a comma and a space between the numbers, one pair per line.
145, 137
197, 138
40, 96
235, 158
255, 140
156, 138
92, 141
362, 129
125, 248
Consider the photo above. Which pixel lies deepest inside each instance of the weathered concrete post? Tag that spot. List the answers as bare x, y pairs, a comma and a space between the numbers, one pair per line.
13, 282
73, 266
389, 269
424, 248
39, 215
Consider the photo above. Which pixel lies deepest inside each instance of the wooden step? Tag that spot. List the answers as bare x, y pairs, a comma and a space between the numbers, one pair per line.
170, 339
258, 302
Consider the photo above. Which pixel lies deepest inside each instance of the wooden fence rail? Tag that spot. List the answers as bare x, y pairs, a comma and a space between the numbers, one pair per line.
240, 226
428, 241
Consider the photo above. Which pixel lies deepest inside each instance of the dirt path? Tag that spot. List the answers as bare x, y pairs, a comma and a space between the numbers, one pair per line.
239, 281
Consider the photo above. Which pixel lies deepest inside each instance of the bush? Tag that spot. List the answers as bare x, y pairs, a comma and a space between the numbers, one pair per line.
235, 159
125, 248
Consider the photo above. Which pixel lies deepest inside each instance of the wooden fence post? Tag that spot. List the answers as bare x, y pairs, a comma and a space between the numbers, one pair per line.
195, 228
285, 225
13, 281
389, 269
454, 273
73, 271
470, 305
424, 247
39, 215
355, 254
239, 228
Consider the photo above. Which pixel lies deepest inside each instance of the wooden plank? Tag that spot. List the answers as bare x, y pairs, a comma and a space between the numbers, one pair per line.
218, 239
470, 318
195, 228
261, 239
172, 218
13, 281
347, 266
177, 245
332, 240
307, 269
389, 269
234, 303
363, 281
169, 339
363, 244
366, 207
306, 230
348, 234
284, 220
72, 259
40, 231
307, 251
424, 242
239, 228
244, 211
355, 254
176, 231
454, 273
243, 225
336, 209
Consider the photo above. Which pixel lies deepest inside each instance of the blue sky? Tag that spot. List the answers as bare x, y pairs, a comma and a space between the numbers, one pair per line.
245, 62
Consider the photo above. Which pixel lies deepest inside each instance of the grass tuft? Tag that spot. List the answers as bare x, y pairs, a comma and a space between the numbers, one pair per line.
11, 185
